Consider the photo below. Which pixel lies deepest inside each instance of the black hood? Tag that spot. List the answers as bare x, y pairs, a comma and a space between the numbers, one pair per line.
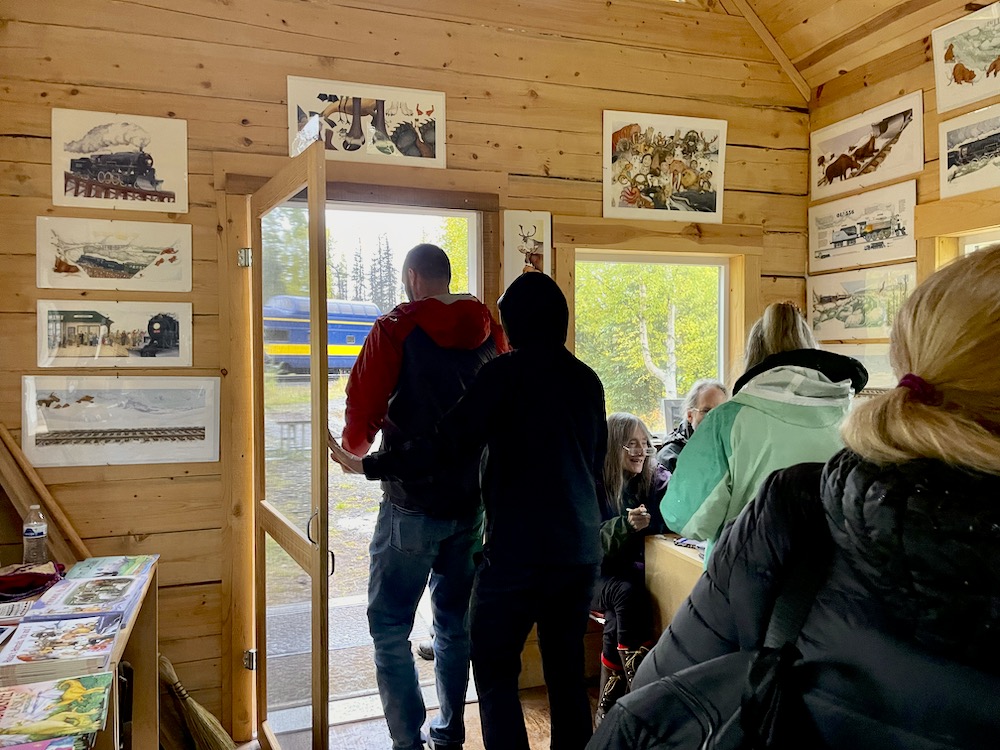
836, 367
534, 312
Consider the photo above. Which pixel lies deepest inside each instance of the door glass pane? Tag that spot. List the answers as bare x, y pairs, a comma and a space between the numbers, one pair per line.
289, 648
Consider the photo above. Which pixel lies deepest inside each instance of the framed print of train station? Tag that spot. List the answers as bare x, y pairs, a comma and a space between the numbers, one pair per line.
98, 421
881, 144
865, 229
107, 160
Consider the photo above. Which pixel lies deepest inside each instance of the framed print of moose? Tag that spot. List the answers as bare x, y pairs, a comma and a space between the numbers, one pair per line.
967, 59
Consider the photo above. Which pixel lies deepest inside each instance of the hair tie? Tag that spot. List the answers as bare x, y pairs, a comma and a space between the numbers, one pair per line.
921, 390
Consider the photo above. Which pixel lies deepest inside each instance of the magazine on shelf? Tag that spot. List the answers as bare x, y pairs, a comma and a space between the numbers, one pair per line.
41, 711
85, 597
49, 649
112, 566
12, 612
77, 742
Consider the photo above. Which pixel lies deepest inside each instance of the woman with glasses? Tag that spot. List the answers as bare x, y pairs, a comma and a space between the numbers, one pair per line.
634, 483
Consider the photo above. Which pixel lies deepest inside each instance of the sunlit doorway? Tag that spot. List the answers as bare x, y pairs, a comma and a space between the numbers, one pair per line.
365, 249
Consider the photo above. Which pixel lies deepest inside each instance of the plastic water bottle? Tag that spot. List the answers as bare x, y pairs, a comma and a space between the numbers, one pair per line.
35, 534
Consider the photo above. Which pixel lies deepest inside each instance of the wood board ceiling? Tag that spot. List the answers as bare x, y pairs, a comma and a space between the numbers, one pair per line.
825, 39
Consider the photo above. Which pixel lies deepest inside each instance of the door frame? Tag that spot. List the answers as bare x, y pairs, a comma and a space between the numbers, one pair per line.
236, 178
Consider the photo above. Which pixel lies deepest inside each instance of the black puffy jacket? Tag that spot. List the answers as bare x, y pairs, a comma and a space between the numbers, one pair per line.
900, 648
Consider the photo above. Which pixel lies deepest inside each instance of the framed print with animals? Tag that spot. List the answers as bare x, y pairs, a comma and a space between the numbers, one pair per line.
97, 333
97, 421
663, 167
527, 243
860, 304
110, 160
864, 229
881, 144
361, 122
970, 152
967, 58
120, 255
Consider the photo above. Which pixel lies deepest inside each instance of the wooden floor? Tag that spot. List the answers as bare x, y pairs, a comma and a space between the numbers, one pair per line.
373, 734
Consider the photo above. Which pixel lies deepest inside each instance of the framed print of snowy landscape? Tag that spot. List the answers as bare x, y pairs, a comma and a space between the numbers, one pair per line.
966, 55
663, 167
881, 144
970, 152
865, 229
95, 421
108, 160
875, 358
859, 304
120, 255
113, 334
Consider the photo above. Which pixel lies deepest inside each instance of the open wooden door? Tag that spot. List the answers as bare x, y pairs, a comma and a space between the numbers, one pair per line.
293, 538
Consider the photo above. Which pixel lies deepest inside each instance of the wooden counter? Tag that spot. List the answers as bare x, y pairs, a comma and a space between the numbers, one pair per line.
671, 573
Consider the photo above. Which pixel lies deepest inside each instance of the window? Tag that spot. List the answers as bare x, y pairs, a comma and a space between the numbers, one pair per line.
972, 242
350, 339
649, 329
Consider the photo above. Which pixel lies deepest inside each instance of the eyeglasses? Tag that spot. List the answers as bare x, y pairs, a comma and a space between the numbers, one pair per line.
634, 449
704, 410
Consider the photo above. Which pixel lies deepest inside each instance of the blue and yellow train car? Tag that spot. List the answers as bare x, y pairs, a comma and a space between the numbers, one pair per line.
286, 332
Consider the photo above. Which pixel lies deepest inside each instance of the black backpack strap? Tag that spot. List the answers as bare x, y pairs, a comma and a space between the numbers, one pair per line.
802, 581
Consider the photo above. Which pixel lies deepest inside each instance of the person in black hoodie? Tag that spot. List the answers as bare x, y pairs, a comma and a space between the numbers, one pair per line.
900, 646
541, 487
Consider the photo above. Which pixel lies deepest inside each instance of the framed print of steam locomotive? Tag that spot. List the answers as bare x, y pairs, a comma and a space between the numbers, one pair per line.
664, 167
865, 229
970, 152
361, 122
527, 243
106, 160
881, 144
114, 334
119, 255
96, 421
966, 55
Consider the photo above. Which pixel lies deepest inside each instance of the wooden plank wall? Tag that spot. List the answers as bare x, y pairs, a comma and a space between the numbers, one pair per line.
526, 84
889, 71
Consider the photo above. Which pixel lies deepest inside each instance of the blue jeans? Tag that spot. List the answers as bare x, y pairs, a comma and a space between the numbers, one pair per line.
406, 548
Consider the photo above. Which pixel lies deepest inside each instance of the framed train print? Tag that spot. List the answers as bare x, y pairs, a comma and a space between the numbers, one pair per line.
868, 228
97, 333
97, 421
970, 152
967, 59
109, 160
120, 255
878, 145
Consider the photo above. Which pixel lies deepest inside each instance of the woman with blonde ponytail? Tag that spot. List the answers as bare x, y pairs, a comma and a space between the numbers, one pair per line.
900, 647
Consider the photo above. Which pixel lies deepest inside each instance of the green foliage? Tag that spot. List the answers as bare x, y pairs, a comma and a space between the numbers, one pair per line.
285, 262
608, 312
454, 240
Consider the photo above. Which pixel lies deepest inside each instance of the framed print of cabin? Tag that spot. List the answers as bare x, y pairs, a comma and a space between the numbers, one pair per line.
109, 160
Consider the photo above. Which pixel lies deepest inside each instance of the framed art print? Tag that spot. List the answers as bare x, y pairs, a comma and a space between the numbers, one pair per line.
859, 304
527, 243
110, 160
663, 167
878, 145
967, 59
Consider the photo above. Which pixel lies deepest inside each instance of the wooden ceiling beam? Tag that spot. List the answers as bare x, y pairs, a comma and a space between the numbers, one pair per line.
772, 44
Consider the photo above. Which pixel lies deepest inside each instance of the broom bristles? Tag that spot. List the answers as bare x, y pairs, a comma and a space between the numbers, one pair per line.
205, 729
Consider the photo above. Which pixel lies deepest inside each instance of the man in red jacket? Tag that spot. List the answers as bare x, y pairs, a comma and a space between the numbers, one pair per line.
415, 364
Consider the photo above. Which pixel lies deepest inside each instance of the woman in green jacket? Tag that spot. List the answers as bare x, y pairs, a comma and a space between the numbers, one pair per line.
786, 409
